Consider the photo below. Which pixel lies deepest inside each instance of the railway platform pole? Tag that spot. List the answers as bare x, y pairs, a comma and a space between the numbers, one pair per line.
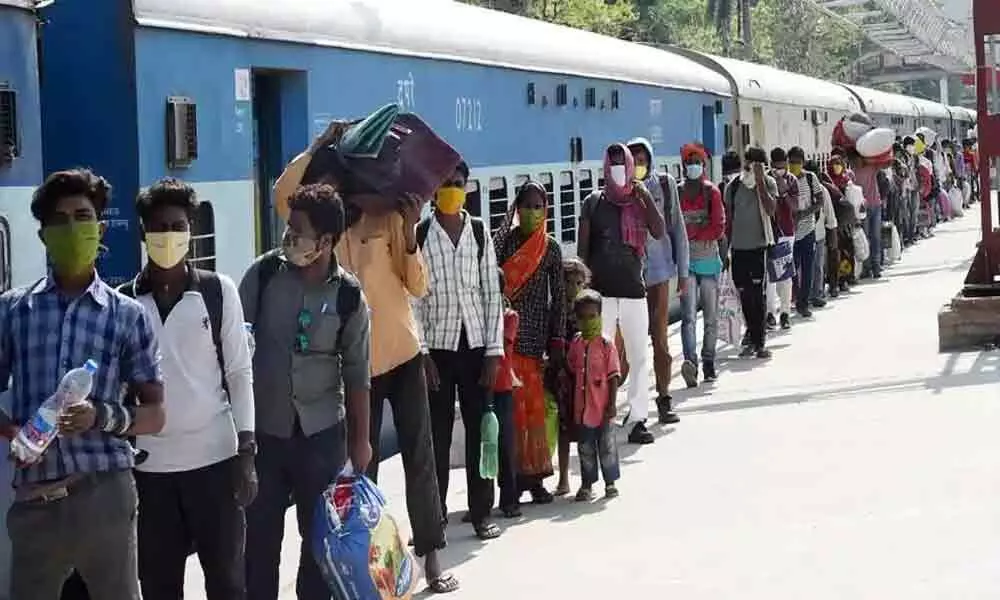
972, 319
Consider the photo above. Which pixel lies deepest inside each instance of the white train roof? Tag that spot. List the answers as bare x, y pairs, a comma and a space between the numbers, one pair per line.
929, 108
963, 113
439, 29
18, 3
884, 103
768, 84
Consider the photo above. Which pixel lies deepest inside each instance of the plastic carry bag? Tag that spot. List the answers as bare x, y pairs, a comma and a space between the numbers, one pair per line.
855, 196
730, 310
895, 244
780, 263
357, 544
551, 421
861, 248
955, 197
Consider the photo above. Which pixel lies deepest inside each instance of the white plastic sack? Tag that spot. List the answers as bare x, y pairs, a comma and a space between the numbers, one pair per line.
856, 197
957, 204
861, 248
730, 310
896, 246
966, 192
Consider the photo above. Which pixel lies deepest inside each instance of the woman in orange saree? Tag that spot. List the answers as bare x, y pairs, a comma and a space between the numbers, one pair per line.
532, 265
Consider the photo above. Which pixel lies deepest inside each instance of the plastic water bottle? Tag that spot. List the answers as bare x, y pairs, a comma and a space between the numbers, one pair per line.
37, 434
489, 445
248, 328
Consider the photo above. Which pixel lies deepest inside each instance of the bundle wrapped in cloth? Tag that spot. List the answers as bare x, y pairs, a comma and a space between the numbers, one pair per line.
857, 133
383, 158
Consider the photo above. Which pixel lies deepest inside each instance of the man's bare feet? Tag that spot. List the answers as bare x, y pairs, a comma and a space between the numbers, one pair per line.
562, 489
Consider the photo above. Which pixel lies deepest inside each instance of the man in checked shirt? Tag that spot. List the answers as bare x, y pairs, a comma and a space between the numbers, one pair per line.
461, 318
75, 508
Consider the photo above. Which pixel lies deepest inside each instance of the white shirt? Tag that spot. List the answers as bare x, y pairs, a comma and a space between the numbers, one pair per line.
463, 292
201, 423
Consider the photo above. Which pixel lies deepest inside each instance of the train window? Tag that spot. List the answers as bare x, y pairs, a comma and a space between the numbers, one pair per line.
531, 93
567, 207
727, 136
473, 198
202, 251
826, 117
805, 114
745, 135
520, 180
590, 98
182, 132
614, 100
5, 266
562, 94
10, 146
498, 202
677, 172
586, 184
550, 222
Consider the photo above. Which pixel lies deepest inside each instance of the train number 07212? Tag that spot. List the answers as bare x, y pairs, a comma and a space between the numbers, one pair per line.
468, 114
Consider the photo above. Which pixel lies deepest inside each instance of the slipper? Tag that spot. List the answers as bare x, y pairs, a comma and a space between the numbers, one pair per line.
443, 584
487, 531
541, 495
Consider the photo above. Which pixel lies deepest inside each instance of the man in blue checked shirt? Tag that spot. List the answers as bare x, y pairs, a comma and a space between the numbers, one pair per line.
75, 508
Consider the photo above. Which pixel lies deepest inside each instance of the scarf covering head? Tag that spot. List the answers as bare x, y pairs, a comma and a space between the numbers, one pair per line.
633, 219
523, 264
693, 151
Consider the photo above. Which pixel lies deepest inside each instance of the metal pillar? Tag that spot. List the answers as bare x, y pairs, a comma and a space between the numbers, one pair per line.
943, 88
984, 274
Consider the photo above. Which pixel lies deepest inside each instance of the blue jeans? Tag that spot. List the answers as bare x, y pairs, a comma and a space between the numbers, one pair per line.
706, 289
804, 253
873, 229
598, 448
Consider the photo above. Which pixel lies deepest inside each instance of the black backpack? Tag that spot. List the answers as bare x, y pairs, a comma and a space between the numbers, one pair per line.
210, 289
478, 230
348, 293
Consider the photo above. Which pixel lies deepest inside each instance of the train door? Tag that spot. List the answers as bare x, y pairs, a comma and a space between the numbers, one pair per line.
280, 131
708, 132
758, 127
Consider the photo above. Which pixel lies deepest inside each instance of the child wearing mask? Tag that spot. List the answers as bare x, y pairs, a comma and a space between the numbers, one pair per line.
592, 362
577, 278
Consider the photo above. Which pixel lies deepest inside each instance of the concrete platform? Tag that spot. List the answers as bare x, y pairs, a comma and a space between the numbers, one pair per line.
859, 463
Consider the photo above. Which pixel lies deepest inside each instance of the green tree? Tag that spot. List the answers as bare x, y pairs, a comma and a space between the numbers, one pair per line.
616, 19
793, 35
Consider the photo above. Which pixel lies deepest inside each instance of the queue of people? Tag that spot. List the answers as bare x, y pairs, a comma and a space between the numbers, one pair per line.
359, 307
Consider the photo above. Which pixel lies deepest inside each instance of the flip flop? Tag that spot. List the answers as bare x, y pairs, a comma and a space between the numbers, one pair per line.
443, 584
487, 531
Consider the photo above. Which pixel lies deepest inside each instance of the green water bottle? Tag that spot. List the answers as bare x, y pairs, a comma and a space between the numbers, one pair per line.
489, 445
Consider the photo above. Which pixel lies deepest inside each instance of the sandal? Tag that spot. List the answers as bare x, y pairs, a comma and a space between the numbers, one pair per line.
487, 531
443, 584
511, 512
610, 491
586, 494
541, 495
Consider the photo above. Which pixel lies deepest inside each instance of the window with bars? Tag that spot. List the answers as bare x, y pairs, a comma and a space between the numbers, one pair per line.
567, 207
10, 146
498, 202
550, 221
202, 251
473, 198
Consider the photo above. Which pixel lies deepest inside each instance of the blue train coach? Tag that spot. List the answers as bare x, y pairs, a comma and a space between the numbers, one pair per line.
223, 94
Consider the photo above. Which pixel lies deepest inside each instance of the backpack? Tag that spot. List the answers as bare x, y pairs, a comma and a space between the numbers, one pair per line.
478, 230
210, 289
348, 292
669, 186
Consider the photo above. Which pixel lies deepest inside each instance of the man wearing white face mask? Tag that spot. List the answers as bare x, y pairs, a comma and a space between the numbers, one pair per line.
614, 224
199, 473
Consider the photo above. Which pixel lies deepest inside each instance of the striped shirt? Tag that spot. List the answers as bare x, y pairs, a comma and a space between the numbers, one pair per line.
463, 292
44, 334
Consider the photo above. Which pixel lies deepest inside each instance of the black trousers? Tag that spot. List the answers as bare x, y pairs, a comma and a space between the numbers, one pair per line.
199, 507
460, 371
503, 406
406, 388
302, 467
748, 277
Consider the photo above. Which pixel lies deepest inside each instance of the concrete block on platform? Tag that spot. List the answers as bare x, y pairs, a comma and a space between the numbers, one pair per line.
968, 323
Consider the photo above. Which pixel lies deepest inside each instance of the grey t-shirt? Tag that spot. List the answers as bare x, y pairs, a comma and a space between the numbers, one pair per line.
744, 207
289, 383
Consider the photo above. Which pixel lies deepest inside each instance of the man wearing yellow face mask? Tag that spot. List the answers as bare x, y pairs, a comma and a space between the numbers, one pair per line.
85, 477
666, 258
200, 469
